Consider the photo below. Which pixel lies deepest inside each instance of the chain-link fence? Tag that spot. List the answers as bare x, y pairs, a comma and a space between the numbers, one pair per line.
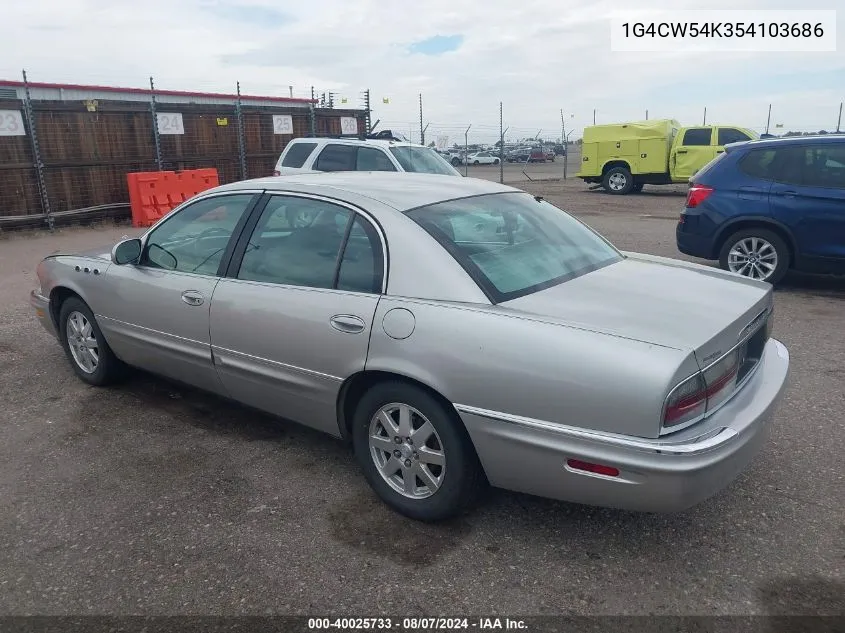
69, 156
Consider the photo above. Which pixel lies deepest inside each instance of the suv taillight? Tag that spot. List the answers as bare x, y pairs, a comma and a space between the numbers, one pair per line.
697, 194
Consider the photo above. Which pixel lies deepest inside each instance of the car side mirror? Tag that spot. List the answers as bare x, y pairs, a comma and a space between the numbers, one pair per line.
126, 252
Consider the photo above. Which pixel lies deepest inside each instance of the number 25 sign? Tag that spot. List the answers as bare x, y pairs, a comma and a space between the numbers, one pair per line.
282, 124
11, 123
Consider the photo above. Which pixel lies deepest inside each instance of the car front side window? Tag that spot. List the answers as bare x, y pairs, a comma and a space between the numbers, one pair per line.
307, 242
194, 239
824, 166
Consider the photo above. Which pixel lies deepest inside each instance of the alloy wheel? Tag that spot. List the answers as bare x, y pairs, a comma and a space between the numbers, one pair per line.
82, 342
753, 257
407, 451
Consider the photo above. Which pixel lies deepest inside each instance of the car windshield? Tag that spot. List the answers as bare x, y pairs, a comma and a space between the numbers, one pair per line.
514, 244
422, 160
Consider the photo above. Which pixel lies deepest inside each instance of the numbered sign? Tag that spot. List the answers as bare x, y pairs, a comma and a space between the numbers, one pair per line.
348, 125
442, 142
170, 123
282, 124
11, 123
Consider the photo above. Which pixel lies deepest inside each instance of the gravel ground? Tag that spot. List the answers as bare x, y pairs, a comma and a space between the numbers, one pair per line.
153, 499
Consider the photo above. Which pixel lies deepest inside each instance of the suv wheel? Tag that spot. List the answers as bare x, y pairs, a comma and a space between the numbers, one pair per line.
618, 181
756, 253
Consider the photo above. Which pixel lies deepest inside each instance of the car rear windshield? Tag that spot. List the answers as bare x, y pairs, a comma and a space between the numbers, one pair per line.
422, 160
514, 244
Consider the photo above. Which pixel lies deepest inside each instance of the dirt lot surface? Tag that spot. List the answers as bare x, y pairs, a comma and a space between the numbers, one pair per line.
149, 498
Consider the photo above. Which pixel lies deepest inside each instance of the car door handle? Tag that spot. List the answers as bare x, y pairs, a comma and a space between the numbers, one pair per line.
682, 151
348, 323
720, 151
193, 298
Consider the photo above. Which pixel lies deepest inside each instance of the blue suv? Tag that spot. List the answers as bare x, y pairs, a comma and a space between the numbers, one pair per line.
764, 207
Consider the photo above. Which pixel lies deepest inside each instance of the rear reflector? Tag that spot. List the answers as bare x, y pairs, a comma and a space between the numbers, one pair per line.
697, 194
599, 469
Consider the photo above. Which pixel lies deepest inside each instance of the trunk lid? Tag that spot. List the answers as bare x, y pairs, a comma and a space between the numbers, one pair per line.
656, 300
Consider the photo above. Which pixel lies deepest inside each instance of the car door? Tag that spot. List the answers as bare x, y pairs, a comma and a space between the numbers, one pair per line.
292, 318
810, 198
693, 153
158, 316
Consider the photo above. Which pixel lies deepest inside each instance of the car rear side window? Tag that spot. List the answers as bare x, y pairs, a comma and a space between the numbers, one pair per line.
697, 136
297, 154
513, 244
337, 158
731, 135
305, 242
760, 163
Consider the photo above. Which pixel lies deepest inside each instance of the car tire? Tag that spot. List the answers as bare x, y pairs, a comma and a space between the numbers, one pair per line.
456, 162
769, 248
618, 181
495, 161
475, 162
79, 333
456, 485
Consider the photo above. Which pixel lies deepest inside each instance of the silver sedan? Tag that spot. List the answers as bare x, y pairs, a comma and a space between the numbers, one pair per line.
458, 332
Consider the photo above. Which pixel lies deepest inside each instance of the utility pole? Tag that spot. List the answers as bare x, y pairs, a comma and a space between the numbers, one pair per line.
422, 129
502, 140
594, 116
466, 154
839, 120
705, 116
646, 115
769, 118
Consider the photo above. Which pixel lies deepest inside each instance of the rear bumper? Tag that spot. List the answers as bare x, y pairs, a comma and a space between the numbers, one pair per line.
661, 475
694, 244
41, 305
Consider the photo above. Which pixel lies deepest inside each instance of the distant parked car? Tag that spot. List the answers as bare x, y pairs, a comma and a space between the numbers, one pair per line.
764, 207
347, 154
519, 155
482, 158
550, 153
537, 155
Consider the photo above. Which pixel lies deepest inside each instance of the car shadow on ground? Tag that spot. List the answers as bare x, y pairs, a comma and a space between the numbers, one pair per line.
828, 285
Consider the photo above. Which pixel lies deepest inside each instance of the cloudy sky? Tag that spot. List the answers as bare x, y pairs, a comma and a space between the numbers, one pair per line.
464, 56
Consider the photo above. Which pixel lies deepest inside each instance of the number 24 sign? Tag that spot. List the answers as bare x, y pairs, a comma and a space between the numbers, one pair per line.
11, 123
170, 123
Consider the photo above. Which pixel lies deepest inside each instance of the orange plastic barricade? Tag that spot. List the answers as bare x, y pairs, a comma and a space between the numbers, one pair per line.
154, 194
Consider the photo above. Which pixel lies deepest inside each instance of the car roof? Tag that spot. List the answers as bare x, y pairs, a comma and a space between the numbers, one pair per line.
355, 141
400, 190
815, 139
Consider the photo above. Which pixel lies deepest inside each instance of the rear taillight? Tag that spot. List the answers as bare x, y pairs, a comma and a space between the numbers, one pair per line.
276, 172
697, 194
686, 402
703, 391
